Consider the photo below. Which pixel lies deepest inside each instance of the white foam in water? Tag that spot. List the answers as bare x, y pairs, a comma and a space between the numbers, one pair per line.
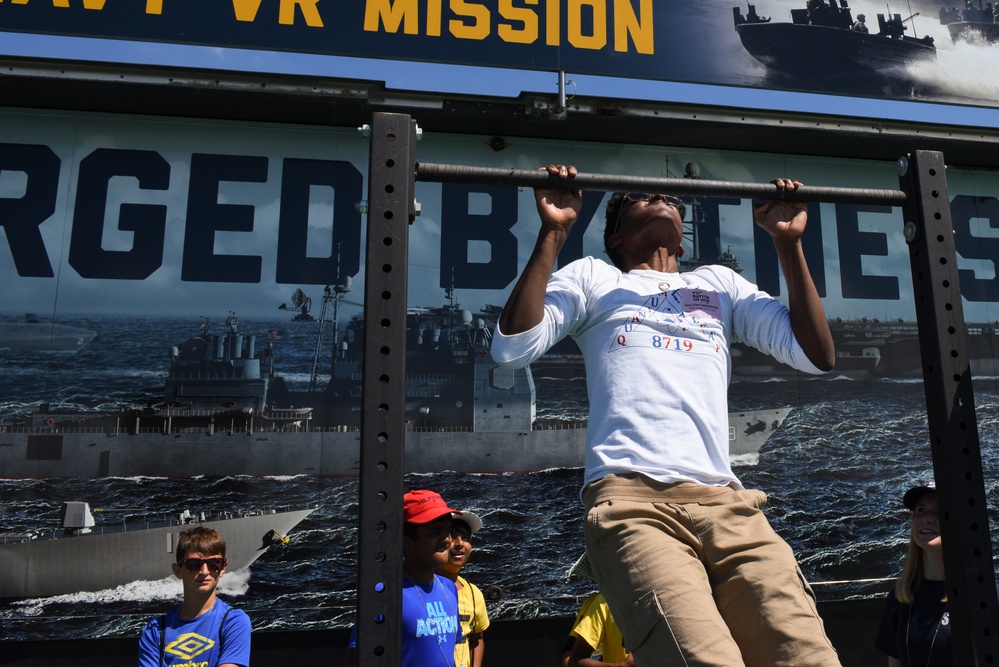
962, 68
136, 591
234, 583
745, 459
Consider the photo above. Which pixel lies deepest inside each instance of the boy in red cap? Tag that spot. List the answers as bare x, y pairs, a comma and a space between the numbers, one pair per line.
430, 626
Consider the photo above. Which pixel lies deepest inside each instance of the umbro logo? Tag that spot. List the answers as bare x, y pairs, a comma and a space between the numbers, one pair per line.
189, 646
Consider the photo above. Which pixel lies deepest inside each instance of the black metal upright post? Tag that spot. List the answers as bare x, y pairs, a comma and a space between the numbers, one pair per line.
950, 409
379, 555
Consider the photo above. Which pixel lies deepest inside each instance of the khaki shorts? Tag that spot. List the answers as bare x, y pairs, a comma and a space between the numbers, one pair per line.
695, 575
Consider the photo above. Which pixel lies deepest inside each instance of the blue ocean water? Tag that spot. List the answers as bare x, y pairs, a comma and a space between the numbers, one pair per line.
833, 472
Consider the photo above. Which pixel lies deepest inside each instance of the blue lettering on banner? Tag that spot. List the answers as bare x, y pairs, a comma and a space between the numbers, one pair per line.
147, 222
963, 210
853, 246
205, 216
25, 208
21, 217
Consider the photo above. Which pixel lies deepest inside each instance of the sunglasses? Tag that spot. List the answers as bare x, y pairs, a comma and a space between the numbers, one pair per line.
675, 202
194, 564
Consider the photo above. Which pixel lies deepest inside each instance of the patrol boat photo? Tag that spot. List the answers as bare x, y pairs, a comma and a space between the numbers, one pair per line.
820, 43
971, 23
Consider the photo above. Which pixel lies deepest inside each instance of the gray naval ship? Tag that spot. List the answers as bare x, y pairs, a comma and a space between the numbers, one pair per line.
76, 556
464, 413
33, 335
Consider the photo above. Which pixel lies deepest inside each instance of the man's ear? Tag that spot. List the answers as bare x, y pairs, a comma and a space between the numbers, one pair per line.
176, 570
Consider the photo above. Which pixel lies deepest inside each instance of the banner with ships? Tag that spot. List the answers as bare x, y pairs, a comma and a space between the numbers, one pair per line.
194, 340
920, 49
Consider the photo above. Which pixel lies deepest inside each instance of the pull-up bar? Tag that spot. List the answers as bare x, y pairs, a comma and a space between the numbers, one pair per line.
953, 427
536, 178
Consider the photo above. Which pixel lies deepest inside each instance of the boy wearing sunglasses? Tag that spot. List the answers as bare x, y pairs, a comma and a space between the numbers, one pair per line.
690, 567
202, 630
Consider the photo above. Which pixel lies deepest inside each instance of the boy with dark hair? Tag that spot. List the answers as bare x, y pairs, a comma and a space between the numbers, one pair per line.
471, 604
430, 627
202, 629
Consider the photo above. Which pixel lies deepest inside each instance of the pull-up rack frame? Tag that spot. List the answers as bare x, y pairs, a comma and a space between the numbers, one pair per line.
953, 430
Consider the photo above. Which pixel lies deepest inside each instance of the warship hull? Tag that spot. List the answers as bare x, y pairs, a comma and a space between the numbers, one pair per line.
82, 451
57, 564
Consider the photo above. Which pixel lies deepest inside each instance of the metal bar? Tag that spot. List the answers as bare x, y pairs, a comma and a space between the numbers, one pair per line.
950, 409
379, 554
443, 173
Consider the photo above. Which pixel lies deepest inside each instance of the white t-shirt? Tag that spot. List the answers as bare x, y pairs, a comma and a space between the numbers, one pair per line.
656, 347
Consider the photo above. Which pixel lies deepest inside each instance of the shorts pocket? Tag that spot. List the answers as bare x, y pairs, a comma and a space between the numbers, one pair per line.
641, 620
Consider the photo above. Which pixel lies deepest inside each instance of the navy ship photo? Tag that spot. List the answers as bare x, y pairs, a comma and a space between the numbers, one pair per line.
79, 553
464, 413
823, 41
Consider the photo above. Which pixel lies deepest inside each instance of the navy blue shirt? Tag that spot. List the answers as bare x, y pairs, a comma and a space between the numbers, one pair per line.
917, 634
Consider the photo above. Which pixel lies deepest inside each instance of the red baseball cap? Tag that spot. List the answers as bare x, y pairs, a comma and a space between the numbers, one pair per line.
423, 506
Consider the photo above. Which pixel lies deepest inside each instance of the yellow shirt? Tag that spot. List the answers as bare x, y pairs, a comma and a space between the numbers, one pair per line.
473, 618
595, 625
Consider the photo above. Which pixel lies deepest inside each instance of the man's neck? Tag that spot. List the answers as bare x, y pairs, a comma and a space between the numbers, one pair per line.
194, 606
661, 260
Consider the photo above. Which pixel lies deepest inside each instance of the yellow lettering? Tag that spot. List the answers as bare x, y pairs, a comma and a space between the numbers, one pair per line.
246, 10
528, 34
479, 29
286, 13
598, 39
392, 15
626, 24
87, 4
154, 6
554, 18
434, 18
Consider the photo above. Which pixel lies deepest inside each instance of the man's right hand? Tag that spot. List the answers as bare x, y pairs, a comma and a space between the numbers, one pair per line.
559, 209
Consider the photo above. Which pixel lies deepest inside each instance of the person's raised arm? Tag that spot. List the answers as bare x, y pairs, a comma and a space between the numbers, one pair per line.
558, 210
785, 222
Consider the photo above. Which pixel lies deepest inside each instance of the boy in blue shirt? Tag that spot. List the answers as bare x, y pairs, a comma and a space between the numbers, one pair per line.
202, 629
430, 626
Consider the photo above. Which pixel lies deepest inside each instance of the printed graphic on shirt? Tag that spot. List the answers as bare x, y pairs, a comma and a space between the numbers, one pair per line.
682, 320
189, 646
439, 622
